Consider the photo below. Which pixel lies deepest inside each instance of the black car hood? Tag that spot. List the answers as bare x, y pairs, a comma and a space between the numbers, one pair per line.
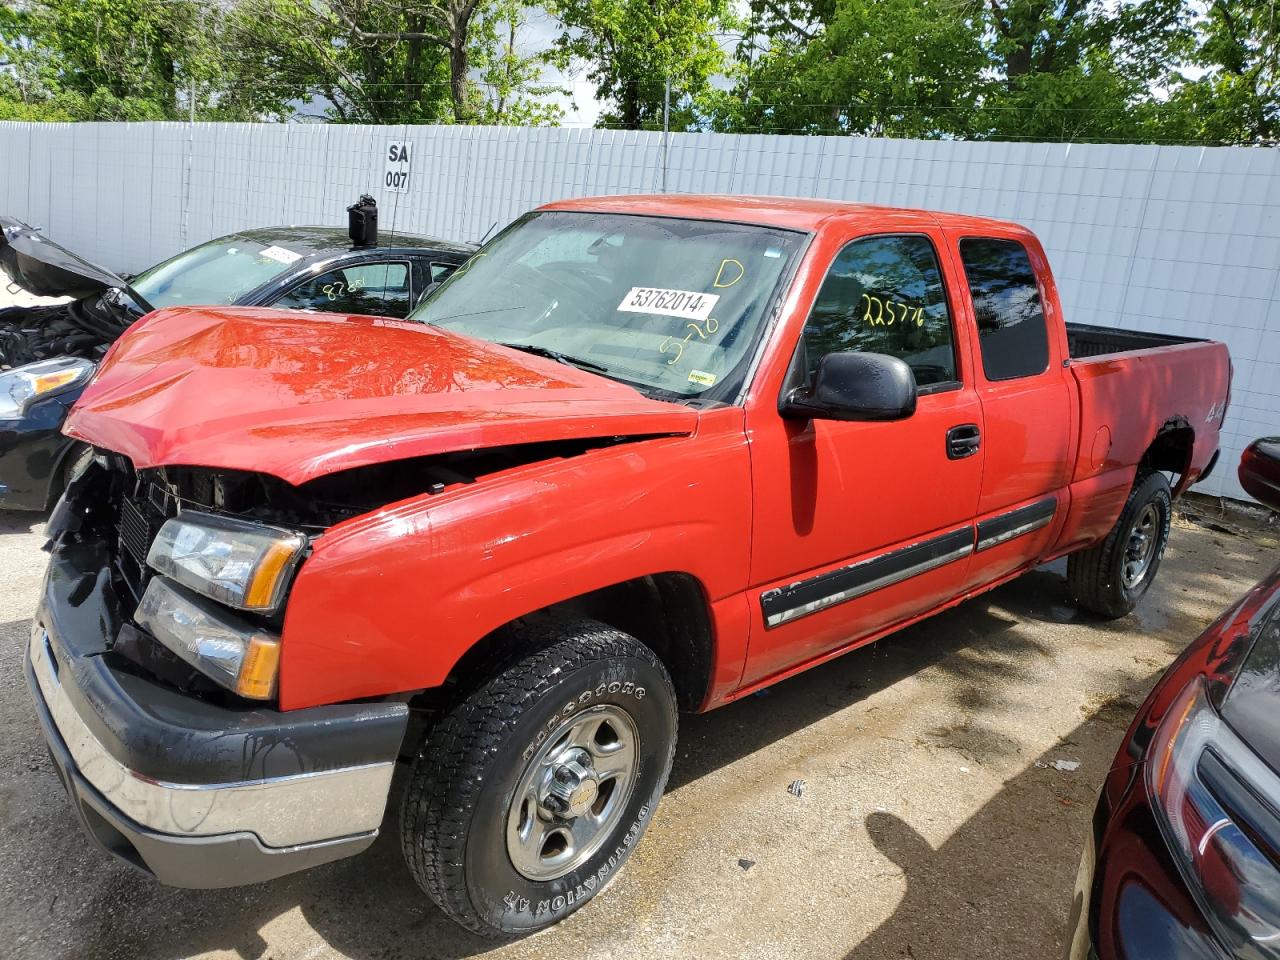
45, 269
1252, 706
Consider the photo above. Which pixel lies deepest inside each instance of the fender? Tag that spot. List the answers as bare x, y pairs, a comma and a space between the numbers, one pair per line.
390, 601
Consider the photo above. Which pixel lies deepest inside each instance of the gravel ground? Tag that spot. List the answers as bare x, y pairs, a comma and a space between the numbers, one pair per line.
934, 823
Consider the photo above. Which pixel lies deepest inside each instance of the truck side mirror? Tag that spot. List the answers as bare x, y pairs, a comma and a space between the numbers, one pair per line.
855, 386
1260, 471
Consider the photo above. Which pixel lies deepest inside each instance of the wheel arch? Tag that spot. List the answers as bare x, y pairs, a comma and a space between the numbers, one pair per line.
669, 612
1170, 451
58, 476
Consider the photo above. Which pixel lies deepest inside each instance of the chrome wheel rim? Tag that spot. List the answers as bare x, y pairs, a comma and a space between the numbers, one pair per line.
1141, 548
573, 792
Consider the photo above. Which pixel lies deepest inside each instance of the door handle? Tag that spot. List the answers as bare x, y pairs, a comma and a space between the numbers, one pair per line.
963, 441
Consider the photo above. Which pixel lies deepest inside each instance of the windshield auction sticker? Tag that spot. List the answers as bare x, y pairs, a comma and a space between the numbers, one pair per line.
685, 304
280, 255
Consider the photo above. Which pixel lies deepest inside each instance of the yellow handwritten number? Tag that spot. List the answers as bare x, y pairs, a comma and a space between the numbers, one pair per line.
885, 313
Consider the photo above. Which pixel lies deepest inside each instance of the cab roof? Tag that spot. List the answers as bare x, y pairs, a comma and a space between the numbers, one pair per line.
790, 213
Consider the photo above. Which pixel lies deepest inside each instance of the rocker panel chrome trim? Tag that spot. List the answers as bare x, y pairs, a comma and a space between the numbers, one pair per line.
805, 597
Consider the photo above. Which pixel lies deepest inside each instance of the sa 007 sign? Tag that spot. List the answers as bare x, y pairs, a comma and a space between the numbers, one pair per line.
399, 161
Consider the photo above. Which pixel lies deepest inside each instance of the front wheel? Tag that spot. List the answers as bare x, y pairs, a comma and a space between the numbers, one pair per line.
530, 794
1112, 576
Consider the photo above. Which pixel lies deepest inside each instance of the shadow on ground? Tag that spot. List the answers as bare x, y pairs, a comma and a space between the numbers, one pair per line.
20, 521
961, 897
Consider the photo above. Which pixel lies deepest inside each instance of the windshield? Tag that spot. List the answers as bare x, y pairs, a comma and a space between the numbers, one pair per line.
220, 271
672, 305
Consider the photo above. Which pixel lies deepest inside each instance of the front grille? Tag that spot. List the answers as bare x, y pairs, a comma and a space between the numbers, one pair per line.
135, 532
144, 507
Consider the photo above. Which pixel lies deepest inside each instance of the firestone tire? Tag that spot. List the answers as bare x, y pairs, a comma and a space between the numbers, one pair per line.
1112, 576
486, 788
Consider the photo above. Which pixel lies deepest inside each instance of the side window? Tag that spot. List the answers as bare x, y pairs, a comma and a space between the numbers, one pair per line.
1006, 304
885, 295
441, 271
379, 289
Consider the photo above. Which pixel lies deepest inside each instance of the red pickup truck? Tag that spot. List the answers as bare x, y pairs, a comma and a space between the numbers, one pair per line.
639, 455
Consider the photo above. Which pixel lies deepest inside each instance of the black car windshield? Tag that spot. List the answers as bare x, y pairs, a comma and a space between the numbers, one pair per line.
220, 271
666, 304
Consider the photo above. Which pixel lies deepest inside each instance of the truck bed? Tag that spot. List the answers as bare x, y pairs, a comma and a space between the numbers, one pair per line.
1131, 387
1087, 340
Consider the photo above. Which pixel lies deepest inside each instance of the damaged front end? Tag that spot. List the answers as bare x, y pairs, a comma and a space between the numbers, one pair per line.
166, 768
112, 516
101, 305
79, 328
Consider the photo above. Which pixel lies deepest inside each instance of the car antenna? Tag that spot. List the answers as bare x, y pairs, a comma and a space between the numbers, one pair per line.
481, 241
362, 223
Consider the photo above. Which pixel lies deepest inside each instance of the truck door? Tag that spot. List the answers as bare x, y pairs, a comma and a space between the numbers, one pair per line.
1027, 410
860, 525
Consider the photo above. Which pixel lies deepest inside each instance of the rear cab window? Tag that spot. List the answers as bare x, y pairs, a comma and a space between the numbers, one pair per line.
1012, 336
885, 294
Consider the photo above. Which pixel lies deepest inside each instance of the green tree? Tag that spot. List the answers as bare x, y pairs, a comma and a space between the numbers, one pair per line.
1228, 91
394, 61
312, 58
872, 67
1078, 69
511, 85
998, 69
632, 48
119, 60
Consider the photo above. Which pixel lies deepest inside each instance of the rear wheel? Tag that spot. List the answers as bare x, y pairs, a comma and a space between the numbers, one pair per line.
530, 794
1112, 576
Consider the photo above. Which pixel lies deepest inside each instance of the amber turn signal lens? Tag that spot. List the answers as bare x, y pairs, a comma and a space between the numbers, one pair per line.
262, 588
259, 669
52, 381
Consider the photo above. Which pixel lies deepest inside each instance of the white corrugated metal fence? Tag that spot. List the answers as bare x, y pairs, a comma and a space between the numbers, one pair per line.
1181, 240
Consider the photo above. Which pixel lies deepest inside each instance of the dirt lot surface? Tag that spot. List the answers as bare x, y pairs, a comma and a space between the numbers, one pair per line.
935, 823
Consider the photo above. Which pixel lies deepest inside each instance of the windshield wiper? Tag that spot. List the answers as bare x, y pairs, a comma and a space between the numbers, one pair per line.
556, 355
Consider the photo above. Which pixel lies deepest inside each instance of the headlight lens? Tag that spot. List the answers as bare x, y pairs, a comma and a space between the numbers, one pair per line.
23, 385
242, 564
1198, 773
233, 653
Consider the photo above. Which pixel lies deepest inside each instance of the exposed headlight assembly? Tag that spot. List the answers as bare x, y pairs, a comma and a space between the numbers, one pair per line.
22, 386
243, 564
219, 644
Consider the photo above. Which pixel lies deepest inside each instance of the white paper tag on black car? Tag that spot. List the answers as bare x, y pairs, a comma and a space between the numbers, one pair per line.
280, 255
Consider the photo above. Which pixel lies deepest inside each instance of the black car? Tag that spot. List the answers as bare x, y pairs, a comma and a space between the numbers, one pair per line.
1183, 862
49, 352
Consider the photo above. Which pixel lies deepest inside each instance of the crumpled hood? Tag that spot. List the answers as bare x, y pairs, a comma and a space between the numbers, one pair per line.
45, 269
301, 395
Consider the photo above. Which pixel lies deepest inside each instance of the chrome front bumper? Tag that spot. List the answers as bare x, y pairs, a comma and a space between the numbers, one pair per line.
279, 811
205, 834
